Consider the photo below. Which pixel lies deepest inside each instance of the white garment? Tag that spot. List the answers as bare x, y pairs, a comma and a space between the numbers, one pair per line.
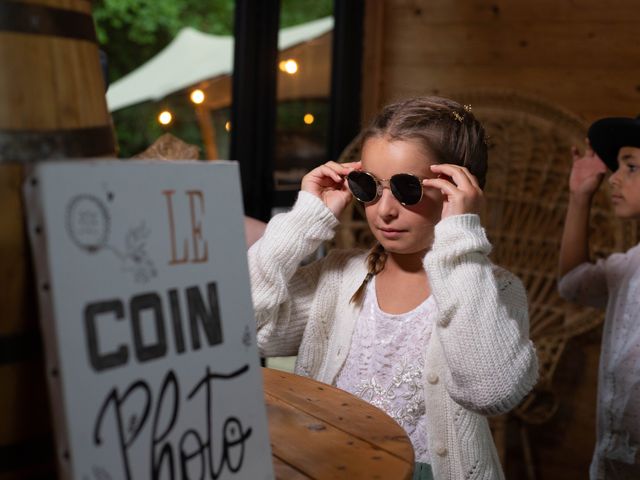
614, 284
479, 360
385, 364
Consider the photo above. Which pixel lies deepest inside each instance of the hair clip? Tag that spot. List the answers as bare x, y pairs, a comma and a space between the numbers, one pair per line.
467, 108
457, 116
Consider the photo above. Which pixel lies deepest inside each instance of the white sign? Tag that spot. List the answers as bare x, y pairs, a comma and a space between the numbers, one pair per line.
147, 317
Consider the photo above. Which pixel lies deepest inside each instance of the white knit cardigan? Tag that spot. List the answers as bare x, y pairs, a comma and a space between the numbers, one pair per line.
478, 362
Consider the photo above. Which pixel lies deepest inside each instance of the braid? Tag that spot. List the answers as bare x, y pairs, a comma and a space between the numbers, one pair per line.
375, 263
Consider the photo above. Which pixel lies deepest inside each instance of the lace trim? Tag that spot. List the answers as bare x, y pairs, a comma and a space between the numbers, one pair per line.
383, 397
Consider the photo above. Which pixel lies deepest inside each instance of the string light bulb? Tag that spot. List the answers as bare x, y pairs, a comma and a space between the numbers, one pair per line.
165, 117
227, 126
197, 96
289, 66
308, 119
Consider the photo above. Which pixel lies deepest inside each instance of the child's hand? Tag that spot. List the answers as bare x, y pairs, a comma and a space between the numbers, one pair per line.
587, 172
461, 192
328, 182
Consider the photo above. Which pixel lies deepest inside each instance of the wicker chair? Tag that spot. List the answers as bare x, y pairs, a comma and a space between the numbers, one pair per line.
527, 195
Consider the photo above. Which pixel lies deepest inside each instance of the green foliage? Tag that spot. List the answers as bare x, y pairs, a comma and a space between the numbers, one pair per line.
133, 31
295, 12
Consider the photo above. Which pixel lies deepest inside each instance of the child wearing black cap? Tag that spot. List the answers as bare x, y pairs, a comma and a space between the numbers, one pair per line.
612, 283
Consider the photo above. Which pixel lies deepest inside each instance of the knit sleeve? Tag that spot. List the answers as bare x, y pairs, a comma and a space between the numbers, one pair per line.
282, 290
483, 322
586, 285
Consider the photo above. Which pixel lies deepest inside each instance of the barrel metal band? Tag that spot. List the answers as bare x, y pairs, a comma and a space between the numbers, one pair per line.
20, 146
37, 19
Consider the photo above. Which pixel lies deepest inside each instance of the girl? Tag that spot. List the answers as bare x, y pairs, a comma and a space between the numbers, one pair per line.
423, 326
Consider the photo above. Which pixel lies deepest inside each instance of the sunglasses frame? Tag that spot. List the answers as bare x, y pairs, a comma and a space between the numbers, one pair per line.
381, 183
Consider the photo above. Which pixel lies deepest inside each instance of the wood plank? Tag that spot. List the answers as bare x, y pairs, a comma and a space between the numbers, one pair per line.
350, 415
284, 471
545, 54
487, 11
54, 83
321, 450
372, 60
589, 92
513, 44
17, 299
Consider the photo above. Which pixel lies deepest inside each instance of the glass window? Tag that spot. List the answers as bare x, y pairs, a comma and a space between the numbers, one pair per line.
170, 73
304, 83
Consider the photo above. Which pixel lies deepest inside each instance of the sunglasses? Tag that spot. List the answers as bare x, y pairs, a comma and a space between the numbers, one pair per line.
366, 188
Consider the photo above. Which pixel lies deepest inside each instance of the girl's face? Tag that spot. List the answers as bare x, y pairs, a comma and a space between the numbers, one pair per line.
625, 184
401, 229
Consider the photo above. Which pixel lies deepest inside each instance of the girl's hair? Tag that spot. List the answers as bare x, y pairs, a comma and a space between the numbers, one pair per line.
446, 130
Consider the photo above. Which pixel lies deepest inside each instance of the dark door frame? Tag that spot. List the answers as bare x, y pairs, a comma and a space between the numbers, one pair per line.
253, 109
346, 75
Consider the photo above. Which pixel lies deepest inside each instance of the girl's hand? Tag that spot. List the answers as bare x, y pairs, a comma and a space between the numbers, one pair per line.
587, 173
328, 182
461, 192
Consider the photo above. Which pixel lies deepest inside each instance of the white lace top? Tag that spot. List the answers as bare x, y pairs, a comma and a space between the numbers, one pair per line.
385, 363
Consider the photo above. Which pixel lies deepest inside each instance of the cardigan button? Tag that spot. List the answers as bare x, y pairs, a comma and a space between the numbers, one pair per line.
441, 450
432, 378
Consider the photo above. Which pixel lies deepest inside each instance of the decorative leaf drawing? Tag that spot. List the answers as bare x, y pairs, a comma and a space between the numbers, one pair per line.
136, 259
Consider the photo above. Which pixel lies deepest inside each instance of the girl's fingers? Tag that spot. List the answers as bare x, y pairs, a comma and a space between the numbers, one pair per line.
472, 178
328, 175
452, 171
342, 169
445, 186
335, 172
351, 165
461, 178
333, 164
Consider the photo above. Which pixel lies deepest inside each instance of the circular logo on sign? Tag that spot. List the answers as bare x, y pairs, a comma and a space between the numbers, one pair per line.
88, 222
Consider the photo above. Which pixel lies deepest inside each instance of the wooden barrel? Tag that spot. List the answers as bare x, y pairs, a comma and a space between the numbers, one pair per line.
52, 106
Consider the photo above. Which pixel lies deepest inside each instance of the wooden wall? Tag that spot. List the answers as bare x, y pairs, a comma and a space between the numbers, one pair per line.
581, 56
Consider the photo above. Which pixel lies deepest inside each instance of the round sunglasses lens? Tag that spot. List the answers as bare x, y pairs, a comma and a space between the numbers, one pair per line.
406, 188
362, 186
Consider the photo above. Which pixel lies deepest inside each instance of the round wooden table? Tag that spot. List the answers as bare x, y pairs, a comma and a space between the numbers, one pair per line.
318, 431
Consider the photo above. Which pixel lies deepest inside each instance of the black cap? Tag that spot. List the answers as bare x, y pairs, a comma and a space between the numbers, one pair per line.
608, 135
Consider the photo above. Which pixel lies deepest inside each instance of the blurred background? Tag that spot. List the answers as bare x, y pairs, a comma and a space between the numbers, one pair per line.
170, 67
